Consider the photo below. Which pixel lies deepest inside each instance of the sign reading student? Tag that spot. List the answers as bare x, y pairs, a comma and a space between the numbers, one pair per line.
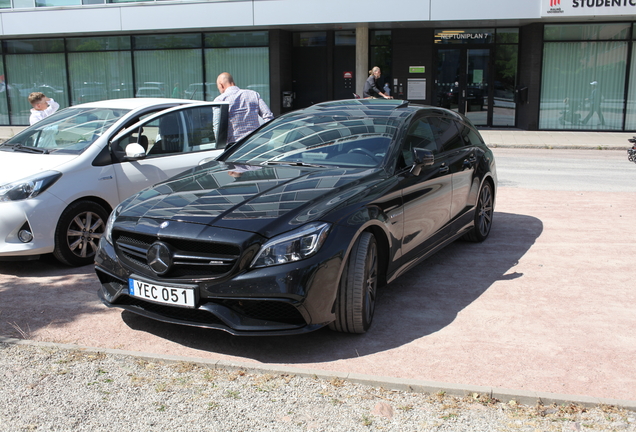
551, 8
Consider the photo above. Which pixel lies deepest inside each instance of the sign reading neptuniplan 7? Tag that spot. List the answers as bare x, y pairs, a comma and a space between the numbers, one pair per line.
551, 8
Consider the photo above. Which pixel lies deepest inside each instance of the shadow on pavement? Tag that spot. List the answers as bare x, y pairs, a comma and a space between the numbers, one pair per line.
42, 293
419, 303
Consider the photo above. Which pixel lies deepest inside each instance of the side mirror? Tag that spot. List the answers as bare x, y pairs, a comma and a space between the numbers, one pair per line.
421, 158
135, 151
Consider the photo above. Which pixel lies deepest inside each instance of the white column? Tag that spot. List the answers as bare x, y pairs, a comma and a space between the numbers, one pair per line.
362, 57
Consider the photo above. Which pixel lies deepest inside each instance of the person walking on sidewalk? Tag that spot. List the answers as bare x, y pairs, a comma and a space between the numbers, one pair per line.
246, 108
595, 104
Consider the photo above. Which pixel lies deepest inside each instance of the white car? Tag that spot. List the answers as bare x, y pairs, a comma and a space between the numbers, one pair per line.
60, 178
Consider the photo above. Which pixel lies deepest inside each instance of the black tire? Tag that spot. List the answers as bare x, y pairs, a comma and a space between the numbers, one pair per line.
78, 232
483, 214
355, 302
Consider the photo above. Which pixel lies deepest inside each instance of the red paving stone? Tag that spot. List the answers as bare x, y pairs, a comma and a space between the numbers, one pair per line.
546, 304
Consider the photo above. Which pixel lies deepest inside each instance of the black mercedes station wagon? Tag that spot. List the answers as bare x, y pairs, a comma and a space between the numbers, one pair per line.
296, 226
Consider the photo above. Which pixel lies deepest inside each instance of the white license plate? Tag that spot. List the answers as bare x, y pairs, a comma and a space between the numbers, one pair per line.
161, 294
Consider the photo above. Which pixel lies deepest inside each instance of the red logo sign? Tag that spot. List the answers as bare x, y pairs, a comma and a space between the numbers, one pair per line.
348, 75
554, 2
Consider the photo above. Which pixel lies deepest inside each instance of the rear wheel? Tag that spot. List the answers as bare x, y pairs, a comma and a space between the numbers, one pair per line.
78, 232
355, 303
483, 214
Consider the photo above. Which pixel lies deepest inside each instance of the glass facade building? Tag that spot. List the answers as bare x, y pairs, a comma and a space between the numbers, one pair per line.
79, 70
533, 65
585, 77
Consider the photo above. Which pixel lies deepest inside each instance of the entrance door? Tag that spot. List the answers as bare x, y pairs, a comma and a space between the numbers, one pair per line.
463, 81
309, 74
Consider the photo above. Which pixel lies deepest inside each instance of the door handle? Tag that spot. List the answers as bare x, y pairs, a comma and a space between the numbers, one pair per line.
444, 169
470, 161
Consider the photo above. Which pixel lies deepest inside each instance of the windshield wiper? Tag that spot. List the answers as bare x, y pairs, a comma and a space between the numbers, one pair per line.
294, 163
27, 149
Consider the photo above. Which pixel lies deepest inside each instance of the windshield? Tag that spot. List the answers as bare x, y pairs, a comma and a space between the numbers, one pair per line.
68, 131
327, 140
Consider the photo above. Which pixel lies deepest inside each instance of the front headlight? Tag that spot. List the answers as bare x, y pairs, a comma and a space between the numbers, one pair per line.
29, 187
293, 246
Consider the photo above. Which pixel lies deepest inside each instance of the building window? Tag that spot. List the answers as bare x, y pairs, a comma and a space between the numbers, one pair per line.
83, 69
583, 81
4, 89
310, 39
586, 32
166, 73
345, 38
630, 117
99, 43
236, 39
33, 46
17, 4
54, 3
100, 75
245, 55
505, 75
167, 41
44, 73
381, 54
248, 66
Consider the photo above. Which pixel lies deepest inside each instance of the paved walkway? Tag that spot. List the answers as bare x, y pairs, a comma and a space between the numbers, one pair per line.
506, 138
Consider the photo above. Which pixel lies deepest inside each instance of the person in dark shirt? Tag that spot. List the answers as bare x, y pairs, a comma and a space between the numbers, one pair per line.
372, 87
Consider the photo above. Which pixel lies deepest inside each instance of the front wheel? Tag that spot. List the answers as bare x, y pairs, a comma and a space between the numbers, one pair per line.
483, 214
78, 232
355, 302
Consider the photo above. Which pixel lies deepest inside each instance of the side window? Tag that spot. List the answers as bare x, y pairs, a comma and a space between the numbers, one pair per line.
200, 124
137, 136
185, 130
446, 133
420, 135
166, 135
469, 135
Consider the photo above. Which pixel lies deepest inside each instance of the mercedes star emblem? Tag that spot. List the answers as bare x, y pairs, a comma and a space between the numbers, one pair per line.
159, 258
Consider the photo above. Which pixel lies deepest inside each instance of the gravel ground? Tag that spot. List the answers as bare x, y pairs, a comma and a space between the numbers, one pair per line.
54, 389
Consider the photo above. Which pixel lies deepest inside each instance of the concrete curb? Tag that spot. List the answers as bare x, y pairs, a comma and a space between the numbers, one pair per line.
415, 386
600, 147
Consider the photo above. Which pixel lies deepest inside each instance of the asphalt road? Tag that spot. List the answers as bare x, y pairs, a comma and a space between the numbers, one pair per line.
566, 170
544, 305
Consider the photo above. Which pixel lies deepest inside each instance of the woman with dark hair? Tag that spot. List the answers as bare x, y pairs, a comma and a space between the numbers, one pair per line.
371, 87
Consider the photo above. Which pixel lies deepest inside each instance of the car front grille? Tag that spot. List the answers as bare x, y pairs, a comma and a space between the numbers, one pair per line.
192, 258
265, 310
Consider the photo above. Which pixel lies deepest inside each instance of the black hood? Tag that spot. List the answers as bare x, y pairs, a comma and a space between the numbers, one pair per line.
260, 199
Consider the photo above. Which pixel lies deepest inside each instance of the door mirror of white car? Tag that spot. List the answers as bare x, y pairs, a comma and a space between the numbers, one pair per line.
135, 151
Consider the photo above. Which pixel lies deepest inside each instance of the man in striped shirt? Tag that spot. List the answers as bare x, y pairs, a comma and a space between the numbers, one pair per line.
246, 107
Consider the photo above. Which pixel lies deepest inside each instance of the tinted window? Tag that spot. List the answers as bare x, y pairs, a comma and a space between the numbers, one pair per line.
469, 136
419, 135
445, 133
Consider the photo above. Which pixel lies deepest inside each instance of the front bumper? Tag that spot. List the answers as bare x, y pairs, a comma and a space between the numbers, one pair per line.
40, 215
284, 299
